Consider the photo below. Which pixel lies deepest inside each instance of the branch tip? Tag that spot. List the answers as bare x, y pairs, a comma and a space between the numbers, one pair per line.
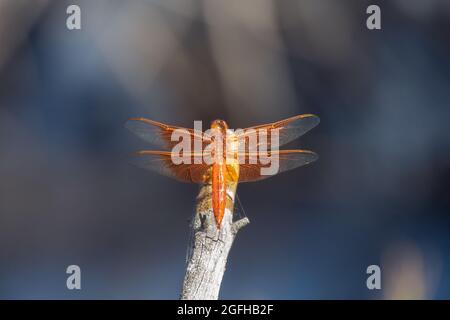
237, 225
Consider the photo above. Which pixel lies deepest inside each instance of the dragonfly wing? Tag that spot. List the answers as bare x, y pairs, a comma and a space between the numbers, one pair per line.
288, 129
288, 160
160, 134
161, 162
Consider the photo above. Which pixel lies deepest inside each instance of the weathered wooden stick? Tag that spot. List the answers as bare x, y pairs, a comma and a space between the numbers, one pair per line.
209, 246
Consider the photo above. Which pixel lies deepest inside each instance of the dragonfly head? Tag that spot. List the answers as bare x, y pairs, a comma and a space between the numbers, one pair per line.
219, 124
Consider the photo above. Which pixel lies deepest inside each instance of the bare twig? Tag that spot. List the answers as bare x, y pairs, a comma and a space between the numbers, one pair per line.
209, 247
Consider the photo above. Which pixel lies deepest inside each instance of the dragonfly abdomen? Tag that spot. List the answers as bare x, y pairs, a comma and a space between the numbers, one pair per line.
219, 191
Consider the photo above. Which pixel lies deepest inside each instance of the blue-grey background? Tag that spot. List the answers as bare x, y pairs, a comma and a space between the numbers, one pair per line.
379, 193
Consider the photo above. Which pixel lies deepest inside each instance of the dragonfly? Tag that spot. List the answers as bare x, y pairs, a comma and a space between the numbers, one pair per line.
232, 164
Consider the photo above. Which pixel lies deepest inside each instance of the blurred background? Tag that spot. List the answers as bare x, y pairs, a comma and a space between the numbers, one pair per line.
379, 193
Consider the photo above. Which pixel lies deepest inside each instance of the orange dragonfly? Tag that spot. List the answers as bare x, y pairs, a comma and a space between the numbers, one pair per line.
222, 173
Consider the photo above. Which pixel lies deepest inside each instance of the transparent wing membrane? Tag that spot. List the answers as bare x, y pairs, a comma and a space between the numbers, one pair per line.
161, 162
287, 160
159, 134
288, 130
